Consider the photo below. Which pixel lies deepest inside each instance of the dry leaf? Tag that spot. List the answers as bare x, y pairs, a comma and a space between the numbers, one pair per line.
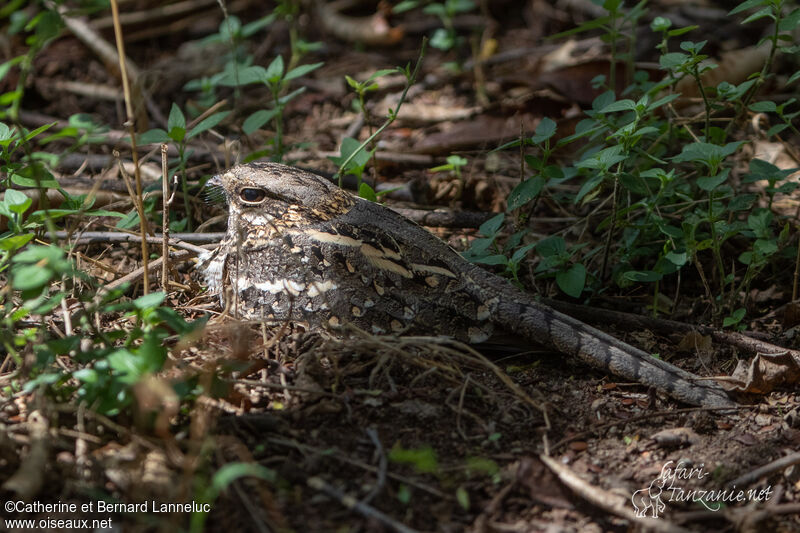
696, 343
765, 372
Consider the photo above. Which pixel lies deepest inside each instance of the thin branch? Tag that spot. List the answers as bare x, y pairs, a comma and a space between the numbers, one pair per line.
131, 124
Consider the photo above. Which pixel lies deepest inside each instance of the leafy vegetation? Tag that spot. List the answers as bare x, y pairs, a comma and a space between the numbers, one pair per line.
674, 203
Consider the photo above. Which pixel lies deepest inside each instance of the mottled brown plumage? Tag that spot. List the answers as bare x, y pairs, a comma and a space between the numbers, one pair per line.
299, 248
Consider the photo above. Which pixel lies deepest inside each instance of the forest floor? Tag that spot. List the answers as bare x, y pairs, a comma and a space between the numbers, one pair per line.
367, 433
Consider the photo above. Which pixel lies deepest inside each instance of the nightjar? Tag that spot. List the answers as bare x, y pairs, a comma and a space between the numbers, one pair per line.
299, 248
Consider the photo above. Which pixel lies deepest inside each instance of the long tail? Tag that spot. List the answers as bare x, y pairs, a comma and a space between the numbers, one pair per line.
538, 323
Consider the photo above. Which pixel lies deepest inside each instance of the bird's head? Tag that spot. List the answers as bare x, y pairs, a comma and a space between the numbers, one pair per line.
271, 193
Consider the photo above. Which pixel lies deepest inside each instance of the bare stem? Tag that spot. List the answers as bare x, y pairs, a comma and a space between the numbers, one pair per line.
131, 124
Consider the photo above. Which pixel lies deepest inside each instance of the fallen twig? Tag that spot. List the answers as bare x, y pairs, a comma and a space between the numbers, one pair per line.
179, 240
139, 273
629, 320
608, 501
765, 470
361, 508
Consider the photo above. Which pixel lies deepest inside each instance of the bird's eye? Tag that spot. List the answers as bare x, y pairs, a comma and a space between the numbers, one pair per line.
252, 196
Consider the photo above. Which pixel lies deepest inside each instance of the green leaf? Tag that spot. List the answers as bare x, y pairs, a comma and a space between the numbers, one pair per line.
284, 99
620, 105
765, 247
6, 133
156, 135
551, 246
30, 277
604, 159
492, 226
128, 221
777, 128
521, 252
367, 192
149, 301
677, 258
709, 183
672, 60
462, 497
442, 39
735, 318
301, 70
435, 9
760, 14
351, 82
680, 31
87, 375
6, 99
15, 242
645, 276
709, 154
30, 135
525, 192
251, 28
764, 106
790, 22
405, 5
590, 185
44, 180
662, 101
274, 71
544, 130
176, 118
380, 73
258, 119
207, 123
572, 280
478, 248
33, 254
127, 365
633, 183
456, 161
584, 128
497, 259
244, 76
5, 67
660, 24
592, 24
747, 4
16, 201
691, 46
177, 134
350, 146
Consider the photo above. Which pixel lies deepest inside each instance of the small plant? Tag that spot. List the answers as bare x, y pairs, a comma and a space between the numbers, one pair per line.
362, 88
454, 165
179, 134
446, 38
276, 79
233, 33
350, 153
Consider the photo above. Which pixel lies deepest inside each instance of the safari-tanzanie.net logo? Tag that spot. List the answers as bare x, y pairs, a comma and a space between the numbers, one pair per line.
672, 485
